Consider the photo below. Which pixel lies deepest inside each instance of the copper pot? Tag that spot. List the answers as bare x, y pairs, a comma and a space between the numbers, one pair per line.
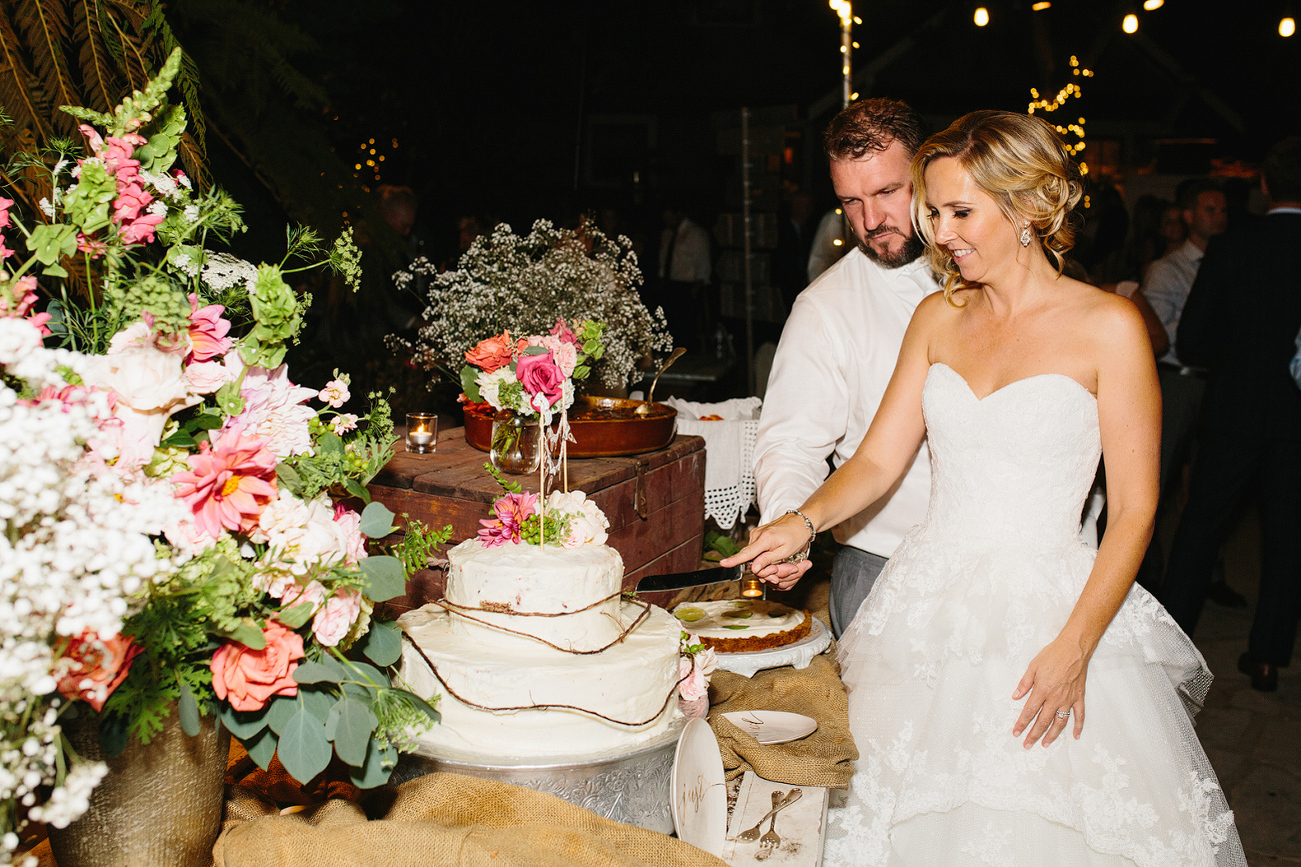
616, 429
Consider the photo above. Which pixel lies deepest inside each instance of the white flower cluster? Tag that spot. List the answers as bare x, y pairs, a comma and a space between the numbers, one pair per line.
222, 271
75, 550
525, 283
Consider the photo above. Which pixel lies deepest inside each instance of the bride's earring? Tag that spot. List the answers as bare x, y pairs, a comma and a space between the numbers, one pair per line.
1025, 234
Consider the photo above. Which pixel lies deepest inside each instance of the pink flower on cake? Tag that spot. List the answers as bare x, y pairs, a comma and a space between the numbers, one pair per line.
510, 511
208, 331
491, 354
541, 378
92, 667
344, 422
249, 678
335, 618
230, 482
335, 394
694, 671
273, 408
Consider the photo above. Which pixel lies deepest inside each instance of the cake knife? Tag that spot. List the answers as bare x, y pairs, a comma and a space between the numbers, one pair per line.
681, 580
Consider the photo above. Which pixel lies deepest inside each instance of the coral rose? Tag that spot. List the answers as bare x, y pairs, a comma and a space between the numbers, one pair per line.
541, 378
491, 354
249, 678
93, 667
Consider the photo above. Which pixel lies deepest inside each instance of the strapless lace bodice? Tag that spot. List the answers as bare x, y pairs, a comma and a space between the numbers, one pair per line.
1027, 452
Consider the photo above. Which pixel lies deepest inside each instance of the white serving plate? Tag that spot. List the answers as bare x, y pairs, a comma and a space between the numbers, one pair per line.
699, 794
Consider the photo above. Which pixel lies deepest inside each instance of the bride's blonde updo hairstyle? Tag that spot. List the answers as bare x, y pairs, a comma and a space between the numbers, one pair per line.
1021, 162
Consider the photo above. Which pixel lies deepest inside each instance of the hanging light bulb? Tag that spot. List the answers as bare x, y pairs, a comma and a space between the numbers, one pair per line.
1041, 5
981, 17
1287, 26
1152, 5
1130, 24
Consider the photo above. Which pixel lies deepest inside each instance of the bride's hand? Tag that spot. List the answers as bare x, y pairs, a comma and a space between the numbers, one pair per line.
769, 547
1054, 682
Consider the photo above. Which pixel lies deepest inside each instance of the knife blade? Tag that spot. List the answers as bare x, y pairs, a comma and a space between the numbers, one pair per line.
679, 580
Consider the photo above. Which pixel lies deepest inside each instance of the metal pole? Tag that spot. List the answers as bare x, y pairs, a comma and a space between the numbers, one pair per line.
745, 221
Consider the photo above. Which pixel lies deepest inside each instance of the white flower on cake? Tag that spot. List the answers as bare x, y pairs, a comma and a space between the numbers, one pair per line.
587, 523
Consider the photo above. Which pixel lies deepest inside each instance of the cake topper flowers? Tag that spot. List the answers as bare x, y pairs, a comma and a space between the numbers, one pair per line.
565, 519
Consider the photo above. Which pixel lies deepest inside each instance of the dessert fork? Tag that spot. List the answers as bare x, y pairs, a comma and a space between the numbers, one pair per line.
779, 804
768, 841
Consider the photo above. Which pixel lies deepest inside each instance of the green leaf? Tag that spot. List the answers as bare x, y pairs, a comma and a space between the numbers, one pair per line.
315, 672
180, 439
355, 488
367, 673
188, 710
114, 734
262, 747
249, 634
296, 615
52, 242
742, 626
421, 705
330, 443
280, 711
376, 521
242, 724
379, 765
382, 645
289, 477
317, 702
385, 577
54, 271
470, 385
304, 750
350, 727
206, 421
359, 692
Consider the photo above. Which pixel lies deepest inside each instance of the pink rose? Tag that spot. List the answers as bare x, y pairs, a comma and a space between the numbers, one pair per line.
692, 684
205, 377
248, 678
336, 617
541, 378
491, 354
95, 667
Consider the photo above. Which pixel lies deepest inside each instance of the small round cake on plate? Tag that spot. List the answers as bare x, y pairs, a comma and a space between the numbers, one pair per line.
744, 625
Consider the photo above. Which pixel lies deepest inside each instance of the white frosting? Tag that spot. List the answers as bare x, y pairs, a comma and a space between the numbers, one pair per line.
522, 578
739, 618
631, 682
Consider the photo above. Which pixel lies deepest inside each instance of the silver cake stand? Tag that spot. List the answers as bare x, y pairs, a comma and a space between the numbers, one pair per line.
629, 787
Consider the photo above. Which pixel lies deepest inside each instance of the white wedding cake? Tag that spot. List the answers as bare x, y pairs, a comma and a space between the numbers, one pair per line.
534, 653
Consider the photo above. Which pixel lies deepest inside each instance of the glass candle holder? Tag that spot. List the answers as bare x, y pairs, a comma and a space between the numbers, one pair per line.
422, 432
752, 587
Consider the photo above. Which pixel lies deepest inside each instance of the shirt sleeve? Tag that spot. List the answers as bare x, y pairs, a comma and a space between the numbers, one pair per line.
805, 411
1163, 289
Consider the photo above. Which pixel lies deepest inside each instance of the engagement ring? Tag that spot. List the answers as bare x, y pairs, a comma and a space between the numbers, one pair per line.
1063, 714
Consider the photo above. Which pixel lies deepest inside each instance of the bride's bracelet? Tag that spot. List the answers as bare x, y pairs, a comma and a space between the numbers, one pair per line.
803, 553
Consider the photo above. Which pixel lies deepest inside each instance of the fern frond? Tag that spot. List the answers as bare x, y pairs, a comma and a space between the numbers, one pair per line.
15, 94
100, 81
44, 23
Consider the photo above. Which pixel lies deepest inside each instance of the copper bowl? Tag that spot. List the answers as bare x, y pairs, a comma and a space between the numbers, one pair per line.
623, 432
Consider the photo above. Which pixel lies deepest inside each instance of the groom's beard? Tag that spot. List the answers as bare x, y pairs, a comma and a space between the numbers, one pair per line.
911, 249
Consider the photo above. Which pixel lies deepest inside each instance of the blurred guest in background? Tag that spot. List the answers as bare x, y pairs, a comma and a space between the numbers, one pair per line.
1241, 321
685, 271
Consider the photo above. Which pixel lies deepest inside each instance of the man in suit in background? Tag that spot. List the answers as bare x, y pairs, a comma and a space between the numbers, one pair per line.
1241, 321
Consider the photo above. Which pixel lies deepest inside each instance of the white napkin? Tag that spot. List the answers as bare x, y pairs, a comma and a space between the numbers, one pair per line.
729, 452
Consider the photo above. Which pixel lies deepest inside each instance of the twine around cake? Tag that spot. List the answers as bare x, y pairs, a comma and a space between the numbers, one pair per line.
465, 701
453, 608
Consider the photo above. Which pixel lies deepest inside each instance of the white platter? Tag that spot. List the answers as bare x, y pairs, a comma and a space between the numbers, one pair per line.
772, 726
699, 794
798, 655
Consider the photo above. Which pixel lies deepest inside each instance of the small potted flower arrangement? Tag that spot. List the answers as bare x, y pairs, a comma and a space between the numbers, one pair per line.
526, 382
195, 539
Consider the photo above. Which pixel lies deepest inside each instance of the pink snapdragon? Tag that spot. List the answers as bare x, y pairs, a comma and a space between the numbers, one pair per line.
230, 482
561, 331
510, 511
18, 297
135, 221
335, 394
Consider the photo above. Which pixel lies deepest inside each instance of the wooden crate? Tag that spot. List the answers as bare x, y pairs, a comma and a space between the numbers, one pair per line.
655, 502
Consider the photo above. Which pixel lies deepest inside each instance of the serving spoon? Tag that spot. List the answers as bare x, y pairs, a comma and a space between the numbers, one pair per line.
644, 409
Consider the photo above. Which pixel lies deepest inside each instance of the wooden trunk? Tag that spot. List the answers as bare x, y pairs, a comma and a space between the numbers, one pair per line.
655, 502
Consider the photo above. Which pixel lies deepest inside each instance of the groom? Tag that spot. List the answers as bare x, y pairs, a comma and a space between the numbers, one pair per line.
838, 350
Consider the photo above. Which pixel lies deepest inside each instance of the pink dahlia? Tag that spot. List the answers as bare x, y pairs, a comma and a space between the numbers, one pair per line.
230, 482
208, 331
510, 511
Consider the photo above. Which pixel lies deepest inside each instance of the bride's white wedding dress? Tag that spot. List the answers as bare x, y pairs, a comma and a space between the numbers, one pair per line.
936, 651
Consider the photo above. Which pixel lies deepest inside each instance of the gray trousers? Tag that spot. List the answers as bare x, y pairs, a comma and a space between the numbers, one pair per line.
852, 575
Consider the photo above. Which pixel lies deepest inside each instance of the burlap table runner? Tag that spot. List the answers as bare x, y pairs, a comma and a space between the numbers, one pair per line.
824, 758
441, 819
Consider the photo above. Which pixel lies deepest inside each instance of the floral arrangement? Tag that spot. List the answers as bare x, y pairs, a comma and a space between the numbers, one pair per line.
171, 538
695, 665
532, 375
526, 282
566, 519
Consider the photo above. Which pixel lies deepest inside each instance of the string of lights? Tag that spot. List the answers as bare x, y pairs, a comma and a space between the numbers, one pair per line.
1129, 23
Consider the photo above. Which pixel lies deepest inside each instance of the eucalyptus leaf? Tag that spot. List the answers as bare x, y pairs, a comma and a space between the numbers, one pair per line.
376, 521
352, 726
303, 749
262, 747
249, 634
358, 691
242, 724
316, 672
470, 384
385, 577
289, 477
281, 710
356, 488
188, 711
378, 767
317, 702
421, 705
367, 673
382, 645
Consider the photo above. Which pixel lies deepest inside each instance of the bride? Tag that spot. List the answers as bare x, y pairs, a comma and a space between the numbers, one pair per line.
967, 665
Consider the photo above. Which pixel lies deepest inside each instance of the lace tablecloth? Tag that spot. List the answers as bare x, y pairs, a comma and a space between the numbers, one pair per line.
729, 452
